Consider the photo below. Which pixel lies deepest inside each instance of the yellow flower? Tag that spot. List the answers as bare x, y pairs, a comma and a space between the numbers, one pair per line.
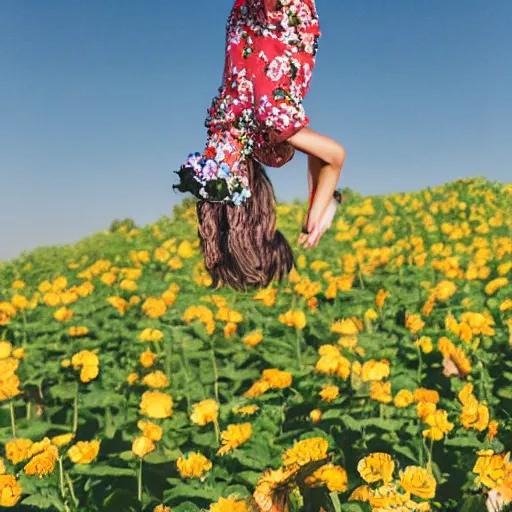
142, 445
347, 327
376, 466
17, 450
204, 412
276, 378
439, 425
423, 409
193, 465
19, 301
234, 436
119, 303
426, 395
84, 452
185, 249
2, 466
330, 393
305, 451
371, 314
315, 415
132, 378
381, 391
43, 463
162, 508
425, 344
490, 468
39, 447
9, 381
332, 362
387, 497
7, 311
418, 481
5, 349
19, 353
333, 477
155, 404
77, 331
493, 430
361, 493
228, 315
147, 359
229, 329
150, 430
444, 290
474, 415
253, 338
381, 297
63, 314
10, 491
149, 334
413, 322
156, 379
88, 373
108, 278
293, 318
229, 505
84, 358
495, 284
63, 439
403, 398
257, 389
248, 410
154, 307
375, 370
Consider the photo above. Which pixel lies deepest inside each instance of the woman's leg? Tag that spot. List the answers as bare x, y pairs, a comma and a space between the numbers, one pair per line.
325, 164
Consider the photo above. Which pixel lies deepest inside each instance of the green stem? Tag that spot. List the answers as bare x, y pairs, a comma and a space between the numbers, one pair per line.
185, 370
61, 479
24, 316
420, 365
429, 462
298, 349
13, 420
168, 357
217, 430
139, 482
360, 275
75, 409
71, 490
215, 372
29, 410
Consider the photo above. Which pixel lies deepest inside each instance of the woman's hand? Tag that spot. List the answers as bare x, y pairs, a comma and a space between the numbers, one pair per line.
317, 227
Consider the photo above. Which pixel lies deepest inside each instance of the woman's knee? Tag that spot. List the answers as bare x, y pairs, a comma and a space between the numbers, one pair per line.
338, 156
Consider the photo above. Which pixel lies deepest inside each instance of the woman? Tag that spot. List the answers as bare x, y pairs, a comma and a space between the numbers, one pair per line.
258, 118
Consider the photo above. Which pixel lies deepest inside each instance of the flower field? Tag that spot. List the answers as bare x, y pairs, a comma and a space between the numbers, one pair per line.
376, 378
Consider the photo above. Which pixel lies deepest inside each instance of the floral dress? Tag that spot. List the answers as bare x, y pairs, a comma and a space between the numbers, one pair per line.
271, 47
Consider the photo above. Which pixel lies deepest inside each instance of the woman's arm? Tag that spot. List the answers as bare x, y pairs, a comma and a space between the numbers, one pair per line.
330, 157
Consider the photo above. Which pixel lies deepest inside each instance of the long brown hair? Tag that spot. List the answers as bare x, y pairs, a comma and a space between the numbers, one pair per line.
241, 247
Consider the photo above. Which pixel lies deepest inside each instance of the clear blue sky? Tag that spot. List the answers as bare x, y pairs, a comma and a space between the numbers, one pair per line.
101, 101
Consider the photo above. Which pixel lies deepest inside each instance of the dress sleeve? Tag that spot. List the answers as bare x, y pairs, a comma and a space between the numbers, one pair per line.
269, 6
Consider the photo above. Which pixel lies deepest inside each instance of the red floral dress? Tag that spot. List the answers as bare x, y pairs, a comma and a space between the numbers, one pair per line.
271, 47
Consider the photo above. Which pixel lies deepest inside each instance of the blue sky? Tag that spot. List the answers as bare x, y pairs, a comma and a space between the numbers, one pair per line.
101, 101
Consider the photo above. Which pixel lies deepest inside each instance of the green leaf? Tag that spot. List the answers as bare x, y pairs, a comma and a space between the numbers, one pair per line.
102, 470
473, 503
406, 451
383, 423
186, 507
351, 423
